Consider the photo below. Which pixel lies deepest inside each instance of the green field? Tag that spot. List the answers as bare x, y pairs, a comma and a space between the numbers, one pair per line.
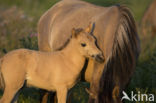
18, 23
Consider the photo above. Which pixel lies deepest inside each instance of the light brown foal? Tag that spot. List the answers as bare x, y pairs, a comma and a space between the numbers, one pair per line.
54, 71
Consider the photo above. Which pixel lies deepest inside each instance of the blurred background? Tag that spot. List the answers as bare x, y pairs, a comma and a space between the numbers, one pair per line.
18, 29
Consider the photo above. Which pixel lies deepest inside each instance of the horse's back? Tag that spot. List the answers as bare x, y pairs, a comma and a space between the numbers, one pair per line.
56, 24
18, 53
17, 59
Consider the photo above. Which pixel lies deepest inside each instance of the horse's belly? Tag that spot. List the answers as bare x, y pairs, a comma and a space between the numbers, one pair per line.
36, 82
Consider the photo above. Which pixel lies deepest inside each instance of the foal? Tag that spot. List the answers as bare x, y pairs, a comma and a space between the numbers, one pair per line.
53, 71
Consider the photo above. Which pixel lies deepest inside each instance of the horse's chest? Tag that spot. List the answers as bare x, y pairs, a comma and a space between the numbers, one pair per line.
71, 80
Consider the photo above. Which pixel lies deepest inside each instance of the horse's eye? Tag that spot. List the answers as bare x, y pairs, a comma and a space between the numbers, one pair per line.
83, 44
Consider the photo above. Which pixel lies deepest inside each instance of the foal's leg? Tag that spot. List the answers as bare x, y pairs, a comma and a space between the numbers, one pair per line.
13, 83
9, 93
15, 100
61, 95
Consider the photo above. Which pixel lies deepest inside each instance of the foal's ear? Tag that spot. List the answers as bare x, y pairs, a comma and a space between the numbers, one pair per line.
90, 28
74, 33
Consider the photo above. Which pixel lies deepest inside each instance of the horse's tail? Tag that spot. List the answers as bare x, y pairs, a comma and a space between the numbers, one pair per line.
121, 61
1, 76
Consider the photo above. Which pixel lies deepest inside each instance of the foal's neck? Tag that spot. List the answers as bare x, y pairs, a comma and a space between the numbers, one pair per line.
73, 55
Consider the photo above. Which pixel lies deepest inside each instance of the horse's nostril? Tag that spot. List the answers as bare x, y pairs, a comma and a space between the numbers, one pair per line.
100, 55
99, 58
93, 55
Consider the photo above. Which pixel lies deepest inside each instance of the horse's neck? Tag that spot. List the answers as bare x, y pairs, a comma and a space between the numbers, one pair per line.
73, 56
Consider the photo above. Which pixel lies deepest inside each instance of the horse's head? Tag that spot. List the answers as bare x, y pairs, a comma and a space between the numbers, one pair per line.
86, 43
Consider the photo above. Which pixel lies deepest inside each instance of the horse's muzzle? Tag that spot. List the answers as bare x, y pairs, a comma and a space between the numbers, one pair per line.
99, 58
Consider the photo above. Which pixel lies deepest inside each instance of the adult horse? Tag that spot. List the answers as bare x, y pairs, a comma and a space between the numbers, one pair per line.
116, 35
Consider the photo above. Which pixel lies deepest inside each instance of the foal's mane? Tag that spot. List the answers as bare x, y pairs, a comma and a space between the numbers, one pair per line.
77, 32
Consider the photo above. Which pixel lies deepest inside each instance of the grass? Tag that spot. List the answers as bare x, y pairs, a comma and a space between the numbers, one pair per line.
18, 23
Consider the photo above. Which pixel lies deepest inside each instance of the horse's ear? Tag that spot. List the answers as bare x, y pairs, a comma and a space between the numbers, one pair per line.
73, 33
90, 28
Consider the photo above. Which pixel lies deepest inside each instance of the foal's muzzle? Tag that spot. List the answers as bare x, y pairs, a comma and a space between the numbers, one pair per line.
99, 58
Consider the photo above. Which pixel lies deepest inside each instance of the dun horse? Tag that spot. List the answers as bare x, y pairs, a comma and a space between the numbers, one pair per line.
116, 35
53, 71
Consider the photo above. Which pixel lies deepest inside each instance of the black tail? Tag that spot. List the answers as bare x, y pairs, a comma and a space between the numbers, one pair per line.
121, 62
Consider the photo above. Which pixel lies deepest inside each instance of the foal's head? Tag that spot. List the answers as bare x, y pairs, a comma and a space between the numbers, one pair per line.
85, 43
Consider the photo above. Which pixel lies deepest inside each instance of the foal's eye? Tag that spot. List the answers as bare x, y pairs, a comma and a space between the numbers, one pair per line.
83, 44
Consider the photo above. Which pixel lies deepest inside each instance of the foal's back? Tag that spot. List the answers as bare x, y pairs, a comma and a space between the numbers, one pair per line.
44, 70
30, 65
24, 59
19, 56
33, 67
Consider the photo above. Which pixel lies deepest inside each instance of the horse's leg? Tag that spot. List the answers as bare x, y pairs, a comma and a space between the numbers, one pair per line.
16, 97
44, 96
69, 97
9, 94
14, 81
15, 100
94, 85
53, 98
61, 95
